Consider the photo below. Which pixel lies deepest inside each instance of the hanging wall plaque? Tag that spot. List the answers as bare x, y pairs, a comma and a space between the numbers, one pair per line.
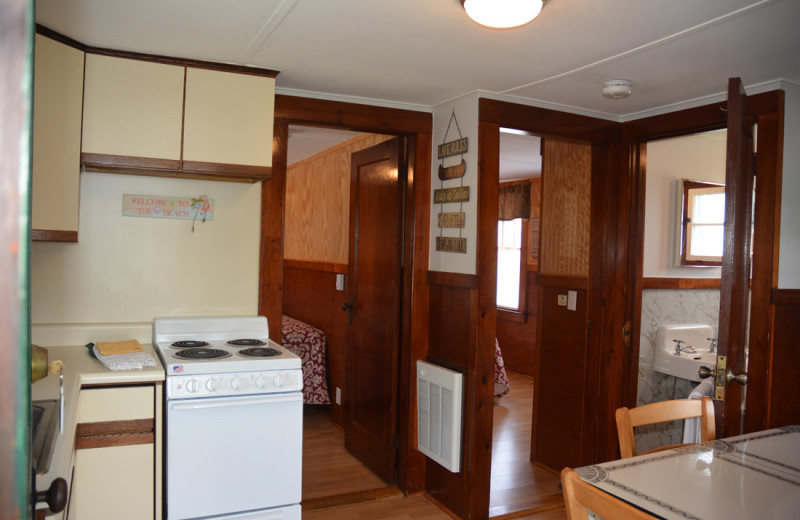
452, 220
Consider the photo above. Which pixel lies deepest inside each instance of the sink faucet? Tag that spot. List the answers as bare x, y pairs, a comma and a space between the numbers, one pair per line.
678, 348
713, 346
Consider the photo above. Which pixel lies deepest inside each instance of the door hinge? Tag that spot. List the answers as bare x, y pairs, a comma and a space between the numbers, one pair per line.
396, 440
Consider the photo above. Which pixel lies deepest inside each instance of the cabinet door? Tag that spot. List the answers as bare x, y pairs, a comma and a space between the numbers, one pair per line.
133, 108
229, 118
58, 94
116, 482
118, 455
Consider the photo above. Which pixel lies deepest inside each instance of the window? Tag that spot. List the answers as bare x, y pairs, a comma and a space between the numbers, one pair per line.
703, 223
511, 263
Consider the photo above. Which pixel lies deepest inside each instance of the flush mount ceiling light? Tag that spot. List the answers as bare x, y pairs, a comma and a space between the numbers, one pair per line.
502, 14
617, 88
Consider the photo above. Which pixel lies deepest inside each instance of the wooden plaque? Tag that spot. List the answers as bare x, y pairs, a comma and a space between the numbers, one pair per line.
451, 244
460, 194
451, 220
453, 148
452, 172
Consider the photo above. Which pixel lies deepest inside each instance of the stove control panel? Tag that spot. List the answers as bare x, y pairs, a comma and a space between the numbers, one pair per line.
242, 383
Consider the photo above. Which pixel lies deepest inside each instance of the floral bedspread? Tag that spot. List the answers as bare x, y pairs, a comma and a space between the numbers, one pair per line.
501, 387
310, 344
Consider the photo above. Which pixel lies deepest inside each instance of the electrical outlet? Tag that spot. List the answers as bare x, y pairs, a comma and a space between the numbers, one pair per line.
562, 299
338, 396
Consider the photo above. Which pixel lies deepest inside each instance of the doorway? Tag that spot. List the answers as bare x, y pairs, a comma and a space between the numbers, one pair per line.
294, 111
319, 281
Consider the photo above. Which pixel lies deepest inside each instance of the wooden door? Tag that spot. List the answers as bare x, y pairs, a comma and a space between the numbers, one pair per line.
373, 305
735, 283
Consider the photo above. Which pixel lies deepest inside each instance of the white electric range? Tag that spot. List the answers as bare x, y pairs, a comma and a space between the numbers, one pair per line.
234, 420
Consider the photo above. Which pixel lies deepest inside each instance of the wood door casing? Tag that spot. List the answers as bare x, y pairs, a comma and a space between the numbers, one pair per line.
374, 296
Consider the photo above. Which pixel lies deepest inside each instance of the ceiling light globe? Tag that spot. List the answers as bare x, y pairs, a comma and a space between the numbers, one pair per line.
502, 14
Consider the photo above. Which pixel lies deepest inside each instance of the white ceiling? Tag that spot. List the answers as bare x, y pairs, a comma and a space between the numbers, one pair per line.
422, 53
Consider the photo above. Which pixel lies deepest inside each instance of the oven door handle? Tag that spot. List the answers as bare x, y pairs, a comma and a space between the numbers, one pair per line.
200, 404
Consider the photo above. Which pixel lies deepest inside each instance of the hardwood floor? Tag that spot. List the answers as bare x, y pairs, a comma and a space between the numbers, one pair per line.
415, 507
328, 468
517, 484
337, 487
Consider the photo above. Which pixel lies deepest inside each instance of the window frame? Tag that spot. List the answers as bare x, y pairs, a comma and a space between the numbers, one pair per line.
687, 260
520, 313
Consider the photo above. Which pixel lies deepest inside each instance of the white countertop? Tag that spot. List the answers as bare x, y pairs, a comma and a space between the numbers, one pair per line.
81, 369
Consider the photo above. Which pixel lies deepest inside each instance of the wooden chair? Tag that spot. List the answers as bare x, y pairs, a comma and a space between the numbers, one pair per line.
663, 411
580, 496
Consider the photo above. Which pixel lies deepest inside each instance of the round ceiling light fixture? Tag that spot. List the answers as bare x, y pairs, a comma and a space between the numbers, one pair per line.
502, 14
617, 88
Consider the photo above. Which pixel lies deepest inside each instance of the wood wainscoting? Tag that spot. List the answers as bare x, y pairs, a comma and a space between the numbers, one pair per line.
310, 295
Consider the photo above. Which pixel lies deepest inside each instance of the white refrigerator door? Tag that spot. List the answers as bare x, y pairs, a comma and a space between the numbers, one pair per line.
233, 454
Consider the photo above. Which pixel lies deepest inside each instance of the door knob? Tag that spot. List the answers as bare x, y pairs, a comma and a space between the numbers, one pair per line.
740, 378
347, 307
705, 372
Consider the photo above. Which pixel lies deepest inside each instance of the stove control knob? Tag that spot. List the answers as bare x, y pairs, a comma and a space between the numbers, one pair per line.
211, 385
260, 381
278, 381
192, 386
236, 383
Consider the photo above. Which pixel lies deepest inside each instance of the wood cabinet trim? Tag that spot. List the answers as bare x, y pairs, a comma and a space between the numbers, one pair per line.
103, 163
49, 235
114, 433
169, 60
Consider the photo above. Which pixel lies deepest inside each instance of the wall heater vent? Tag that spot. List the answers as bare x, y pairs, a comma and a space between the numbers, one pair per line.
439, 397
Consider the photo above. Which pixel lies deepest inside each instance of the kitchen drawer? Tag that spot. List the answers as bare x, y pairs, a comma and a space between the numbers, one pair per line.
122, 403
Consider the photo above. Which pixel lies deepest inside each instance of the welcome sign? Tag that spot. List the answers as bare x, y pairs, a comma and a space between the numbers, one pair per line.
156, 206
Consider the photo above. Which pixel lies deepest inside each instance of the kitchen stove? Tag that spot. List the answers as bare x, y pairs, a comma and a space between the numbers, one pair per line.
225, 378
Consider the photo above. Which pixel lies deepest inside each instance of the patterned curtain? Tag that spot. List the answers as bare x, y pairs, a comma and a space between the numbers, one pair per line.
515, 201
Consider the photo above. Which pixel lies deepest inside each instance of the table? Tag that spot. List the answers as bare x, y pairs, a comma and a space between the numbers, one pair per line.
756, 475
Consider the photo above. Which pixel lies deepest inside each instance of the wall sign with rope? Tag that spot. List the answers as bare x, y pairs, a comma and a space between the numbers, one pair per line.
459, 194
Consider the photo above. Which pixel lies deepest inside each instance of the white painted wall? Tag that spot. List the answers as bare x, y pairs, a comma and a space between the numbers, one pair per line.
699, 157
789, 260
466, 110
124, 271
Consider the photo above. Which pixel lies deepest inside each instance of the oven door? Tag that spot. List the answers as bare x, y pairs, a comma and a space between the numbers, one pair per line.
230, 455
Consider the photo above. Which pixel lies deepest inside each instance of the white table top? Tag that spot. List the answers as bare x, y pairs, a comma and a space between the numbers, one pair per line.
749, 476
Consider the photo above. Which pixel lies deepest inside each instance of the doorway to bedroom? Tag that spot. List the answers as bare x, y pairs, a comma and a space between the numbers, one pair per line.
316, 312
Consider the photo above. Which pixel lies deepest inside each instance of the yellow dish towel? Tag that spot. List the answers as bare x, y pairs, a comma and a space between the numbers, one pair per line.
129, 346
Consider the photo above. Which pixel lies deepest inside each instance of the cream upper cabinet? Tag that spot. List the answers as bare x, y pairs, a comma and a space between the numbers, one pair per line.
58, 94
228, 118
132, 108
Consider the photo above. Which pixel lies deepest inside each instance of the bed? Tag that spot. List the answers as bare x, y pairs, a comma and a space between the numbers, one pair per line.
309, 344
501, 387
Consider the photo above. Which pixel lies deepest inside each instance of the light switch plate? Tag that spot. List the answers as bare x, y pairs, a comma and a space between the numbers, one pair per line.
339, 282
572, 300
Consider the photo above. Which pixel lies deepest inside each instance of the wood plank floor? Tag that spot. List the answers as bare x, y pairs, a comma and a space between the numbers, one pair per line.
328, 468
517, 484
333, 481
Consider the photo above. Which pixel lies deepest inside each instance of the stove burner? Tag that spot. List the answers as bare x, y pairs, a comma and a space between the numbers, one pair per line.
247, 342
201, 353
260, 352
189, 344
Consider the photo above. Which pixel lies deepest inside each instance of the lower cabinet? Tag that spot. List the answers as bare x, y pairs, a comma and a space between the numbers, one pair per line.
118, 454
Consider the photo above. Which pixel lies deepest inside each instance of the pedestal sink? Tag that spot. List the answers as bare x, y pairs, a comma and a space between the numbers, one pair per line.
684, 359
